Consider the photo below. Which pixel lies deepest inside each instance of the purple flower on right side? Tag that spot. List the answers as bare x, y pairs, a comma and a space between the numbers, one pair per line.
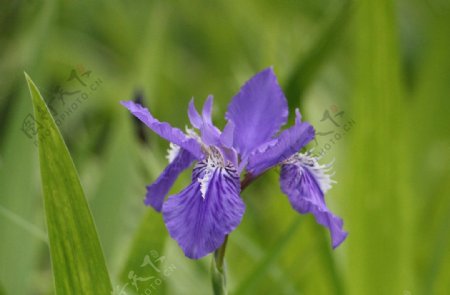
305, 182
201, 215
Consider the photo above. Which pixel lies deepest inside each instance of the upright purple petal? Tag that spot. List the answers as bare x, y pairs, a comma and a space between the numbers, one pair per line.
160, 188
210, 134
258, 111
194, 116
226, 144
287, 144
304, 185
207, 110
226, 138
163, 129
200, 216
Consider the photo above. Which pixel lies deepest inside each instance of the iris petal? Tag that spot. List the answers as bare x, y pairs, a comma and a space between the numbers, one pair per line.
194, 116
303, 189
198, 224
287, 144
226, 138
207, 109
210, 133
163, 129
258, 111
160, 188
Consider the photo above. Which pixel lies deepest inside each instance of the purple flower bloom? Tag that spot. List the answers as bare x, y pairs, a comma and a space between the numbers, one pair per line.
206, 211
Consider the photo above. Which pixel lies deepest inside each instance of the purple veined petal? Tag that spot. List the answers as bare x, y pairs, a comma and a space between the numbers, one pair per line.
160, 188
258, 111
163, 129
301, 183
201, 215
289, 142
194, 116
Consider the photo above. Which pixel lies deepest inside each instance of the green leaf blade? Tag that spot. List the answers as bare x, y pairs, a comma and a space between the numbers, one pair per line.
77, 258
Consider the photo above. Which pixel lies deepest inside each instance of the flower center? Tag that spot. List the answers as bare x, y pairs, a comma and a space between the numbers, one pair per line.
214, 163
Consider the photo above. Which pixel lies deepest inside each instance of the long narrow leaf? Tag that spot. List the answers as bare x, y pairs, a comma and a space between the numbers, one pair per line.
77, 259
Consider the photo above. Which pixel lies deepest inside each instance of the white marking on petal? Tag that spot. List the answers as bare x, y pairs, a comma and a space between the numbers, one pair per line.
172, 152
204, 182
192, 134
320, 172
213, 162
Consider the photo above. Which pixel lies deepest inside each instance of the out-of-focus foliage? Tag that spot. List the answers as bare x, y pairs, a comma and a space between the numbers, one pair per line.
372, 76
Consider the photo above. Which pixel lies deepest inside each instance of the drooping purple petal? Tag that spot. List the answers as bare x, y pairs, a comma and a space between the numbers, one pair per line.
163, 129
289, 142
160, 188
301, 184
200, 216
258, 111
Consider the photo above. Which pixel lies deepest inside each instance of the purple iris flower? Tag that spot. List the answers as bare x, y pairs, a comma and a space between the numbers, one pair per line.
206, 211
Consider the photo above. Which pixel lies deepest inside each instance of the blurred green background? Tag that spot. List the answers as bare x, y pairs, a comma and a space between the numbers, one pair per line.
372, 76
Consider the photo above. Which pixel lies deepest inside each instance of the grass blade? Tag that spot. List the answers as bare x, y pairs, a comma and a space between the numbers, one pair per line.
77, 259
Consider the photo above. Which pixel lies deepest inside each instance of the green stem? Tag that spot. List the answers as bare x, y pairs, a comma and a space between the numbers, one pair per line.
218, 272
219, 255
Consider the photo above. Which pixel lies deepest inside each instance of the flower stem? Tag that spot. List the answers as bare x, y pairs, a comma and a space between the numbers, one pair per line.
219, 255
218, 270
246, 181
